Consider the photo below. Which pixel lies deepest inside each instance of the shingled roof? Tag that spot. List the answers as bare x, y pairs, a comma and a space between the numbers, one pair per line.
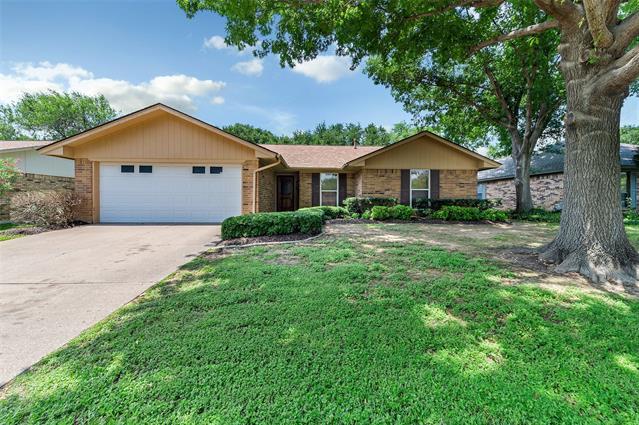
320, 156
552, 162
14, 145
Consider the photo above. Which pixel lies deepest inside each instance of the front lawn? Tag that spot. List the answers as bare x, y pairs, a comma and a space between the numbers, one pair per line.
345, 330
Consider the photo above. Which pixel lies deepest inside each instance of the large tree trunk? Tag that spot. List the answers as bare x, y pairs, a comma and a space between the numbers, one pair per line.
591, 239
523, 197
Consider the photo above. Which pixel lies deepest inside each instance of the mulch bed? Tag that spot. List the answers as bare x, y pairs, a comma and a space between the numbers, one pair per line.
293, 237
417, 220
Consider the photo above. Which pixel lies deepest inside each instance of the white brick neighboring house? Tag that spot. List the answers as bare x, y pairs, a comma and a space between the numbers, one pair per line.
547, 179
39, 172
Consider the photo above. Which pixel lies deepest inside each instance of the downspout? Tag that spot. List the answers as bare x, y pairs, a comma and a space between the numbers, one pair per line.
266, 167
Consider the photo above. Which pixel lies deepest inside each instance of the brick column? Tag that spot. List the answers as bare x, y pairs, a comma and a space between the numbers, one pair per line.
84, 189
248, 170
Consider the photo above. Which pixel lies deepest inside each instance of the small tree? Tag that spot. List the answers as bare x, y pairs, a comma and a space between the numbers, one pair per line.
8, 174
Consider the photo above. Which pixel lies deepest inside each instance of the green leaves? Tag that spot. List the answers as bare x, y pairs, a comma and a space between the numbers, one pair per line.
53, 116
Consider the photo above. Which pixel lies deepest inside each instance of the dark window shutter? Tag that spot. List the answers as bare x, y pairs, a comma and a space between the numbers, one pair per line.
434, 184
315, 190
343, 178
404, 196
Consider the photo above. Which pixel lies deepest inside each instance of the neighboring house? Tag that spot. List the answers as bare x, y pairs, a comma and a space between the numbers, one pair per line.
161, 165
547, 180
38, 172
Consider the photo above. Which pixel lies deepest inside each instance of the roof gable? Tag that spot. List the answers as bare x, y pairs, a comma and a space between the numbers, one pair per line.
442, 154
65, 146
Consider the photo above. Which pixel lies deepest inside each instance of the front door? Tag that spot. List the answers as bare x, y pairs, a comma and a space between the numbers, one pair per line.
285, 193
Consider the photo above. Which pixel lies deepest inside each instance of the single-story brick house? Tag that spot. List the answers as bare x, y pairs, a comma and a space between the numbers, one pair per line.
547, 179
37, 172
161, 165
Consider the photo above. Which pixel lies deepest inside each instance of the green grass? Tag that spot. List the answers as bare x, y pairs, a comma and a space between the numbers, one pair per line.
337, 332
7, 226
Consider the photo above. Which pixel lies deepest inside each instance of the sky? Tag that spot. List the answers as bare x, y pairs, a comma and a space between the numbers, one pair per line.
138, 53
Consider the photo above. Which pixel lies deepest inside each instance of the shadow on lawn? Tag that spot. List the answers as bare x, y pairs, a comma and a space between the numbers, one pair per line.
400, 334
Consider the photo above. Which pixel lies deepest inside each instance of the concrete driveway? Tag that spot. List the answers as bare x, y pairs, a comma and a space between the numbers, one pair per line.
56, 284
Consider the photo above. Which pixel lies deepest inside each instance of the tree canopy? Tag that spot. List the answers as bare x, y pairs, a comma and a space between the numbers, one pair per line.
339, 134
52, 115
630, 134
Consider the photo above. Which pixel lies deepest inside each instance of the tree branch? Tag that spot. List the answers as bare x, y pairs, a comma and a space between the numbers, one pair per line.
621, 72
455, 5
500, 96
522, 32
561, 10
596, 15
626, 32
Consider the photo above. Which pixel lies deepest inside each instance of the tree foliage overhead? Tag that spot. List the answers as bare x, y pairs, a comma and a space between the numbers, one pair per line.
53, 116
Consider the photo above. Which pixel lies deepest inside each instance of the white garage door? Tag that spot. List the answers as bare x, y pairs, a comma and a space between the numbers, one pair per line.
160, 193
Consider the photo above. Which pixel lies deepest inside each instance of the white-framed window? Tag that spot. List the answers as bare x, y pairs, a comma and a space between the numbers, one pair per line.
419, 185
481, 191
329, 189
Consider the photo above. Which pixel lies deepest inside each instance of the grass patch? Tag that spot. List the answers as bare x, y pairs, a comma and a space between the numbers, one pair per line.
388, 333
8, 226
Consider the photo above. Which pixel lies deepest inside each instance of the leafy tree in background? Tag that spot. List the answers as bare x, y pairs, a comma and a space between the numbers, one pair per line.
630, 134
53, 116
599, 62
327, 134
252, 133
8, 174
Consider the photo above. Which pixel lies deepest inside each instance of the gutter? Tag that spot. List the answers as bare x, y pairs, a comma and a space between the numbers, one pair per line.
266, 167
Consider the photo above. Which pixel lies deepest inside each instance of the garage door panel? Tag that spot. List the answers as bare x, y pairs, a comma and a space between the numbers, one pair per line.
171, 193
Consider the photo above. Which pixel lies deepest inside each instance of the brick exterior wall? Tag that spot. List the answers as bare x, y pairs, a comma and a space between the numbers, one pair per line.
248, 170
306, 188
267, 191
84, 189
379, 183
547, 191
28, 182
457, 184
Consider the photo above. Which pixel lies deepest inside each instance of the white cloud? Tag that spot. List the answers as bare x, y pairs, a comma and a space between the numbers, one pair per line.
177, 90
216, 42
254, 67
217, 100
325, 69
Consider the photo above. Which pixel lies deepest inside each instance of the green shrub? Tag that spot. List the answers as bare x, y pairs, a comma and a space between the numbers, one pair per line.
538, 215
423, 212
437, 204
269, 224
356, 216
631, 217
330, 213
380, 213
492, 214
366, 215
401, 212
361, 204
453, 213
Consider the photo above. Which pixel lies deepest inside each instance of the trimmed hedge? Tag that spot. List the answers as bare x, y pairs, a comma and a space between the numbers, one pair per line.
437, 204
398, 212
269, 224
360, 205
330, 213
454, 213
